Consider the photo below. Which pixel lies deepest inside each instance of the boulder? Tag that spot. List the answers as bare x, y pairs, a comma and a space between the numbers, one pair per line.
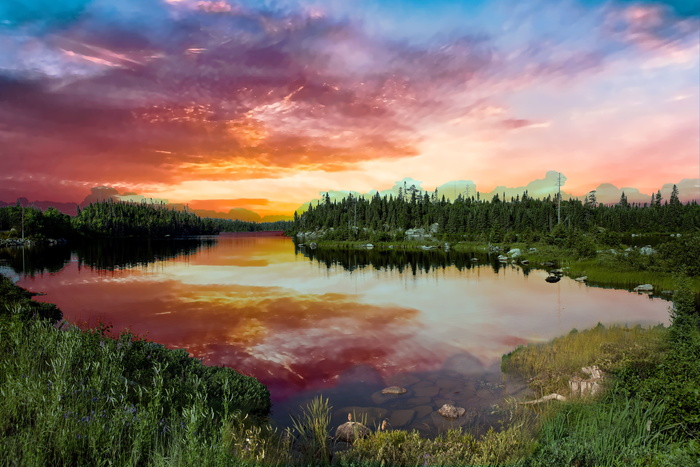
502, 258
580, 387
514, 252
581, 279
450, 411
350, 431
644, 288
647, 250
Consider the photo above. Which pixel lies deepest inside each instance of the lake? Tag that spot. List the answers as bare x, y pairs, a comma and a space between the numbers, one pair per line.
343, 323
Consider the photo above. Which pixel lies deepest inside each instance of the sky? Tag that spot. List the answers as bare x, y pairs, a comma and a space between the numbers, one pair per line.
256, 107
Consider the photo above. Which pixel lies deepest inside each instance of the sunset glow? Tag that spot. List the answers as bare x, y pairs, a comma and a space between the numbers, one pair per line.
253, 108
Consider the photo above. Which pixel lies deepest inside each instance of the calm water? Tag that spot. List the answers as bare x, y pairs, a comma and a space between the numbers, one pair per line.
343, 324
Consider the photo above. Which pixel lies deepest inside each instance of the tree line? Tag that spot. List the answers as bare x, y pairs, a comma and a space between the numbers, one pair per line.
522, 217
117, 219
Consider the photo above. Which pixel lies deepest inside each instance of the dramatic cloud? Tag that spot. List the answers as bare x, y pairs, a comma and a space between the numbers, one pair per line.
154, 96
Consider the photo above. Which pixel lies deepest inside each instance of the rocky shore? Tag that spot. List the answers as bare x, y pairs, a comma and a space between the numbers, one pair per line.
8, 242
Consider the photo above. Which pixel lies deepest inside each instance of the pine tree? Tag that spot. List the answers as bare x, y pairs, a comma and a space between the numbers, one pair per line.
674, 201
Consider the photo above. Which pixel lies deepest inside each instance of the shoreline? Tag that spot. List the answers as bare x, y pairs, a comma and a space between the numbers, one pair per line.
603, 270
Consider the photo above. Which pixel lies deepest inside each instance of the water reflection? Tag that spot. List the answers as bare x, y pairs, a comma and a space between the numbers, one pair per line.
100, 254
35, 259
401, 260
341, 323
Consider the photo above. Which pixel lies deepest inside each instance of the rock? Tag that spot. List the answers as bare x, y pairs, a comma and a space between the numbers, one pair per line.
475, 260
644, 288
558, 272
448, 383
524, 262
550, 397
416, 401
415, 234
579, 387
593, 371
581, 279
313, 245
423, 410
434, 228
394, 390
514, 252
427, 391
380, 398
369, 415
532, 250
403, 379
647, 250
401, 418
548, 264
450, 411
369, 246
428, 247
502, 258
552, 278
350, 431
463, 364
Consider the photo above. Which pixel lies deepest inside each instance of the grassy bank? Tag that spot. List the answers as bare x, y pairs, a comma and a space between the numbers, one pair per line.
603, 265
72, 397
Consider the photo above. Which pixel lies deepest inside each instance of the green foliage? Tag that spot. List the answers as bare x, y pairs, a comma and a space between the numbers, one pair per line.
614, 432
71, 397
37, 224
677, 376
550, 365
123, 219
310, 431
17, 301
498, 219
404, 448
681, 255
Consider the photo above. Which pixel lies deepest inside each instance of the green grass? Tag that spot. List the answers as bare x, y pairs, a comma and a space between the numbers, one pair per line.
615, 432
549, 366
79, 398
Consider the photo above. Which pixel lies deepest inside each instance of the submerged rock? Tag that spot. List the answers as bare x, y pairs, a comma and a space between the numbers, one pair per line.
394, 390
450, 411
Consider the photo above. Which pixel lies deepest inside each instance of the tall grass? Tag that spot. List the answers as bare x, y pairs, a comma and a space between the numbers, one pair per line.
618, 431
72, 398
310, 432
